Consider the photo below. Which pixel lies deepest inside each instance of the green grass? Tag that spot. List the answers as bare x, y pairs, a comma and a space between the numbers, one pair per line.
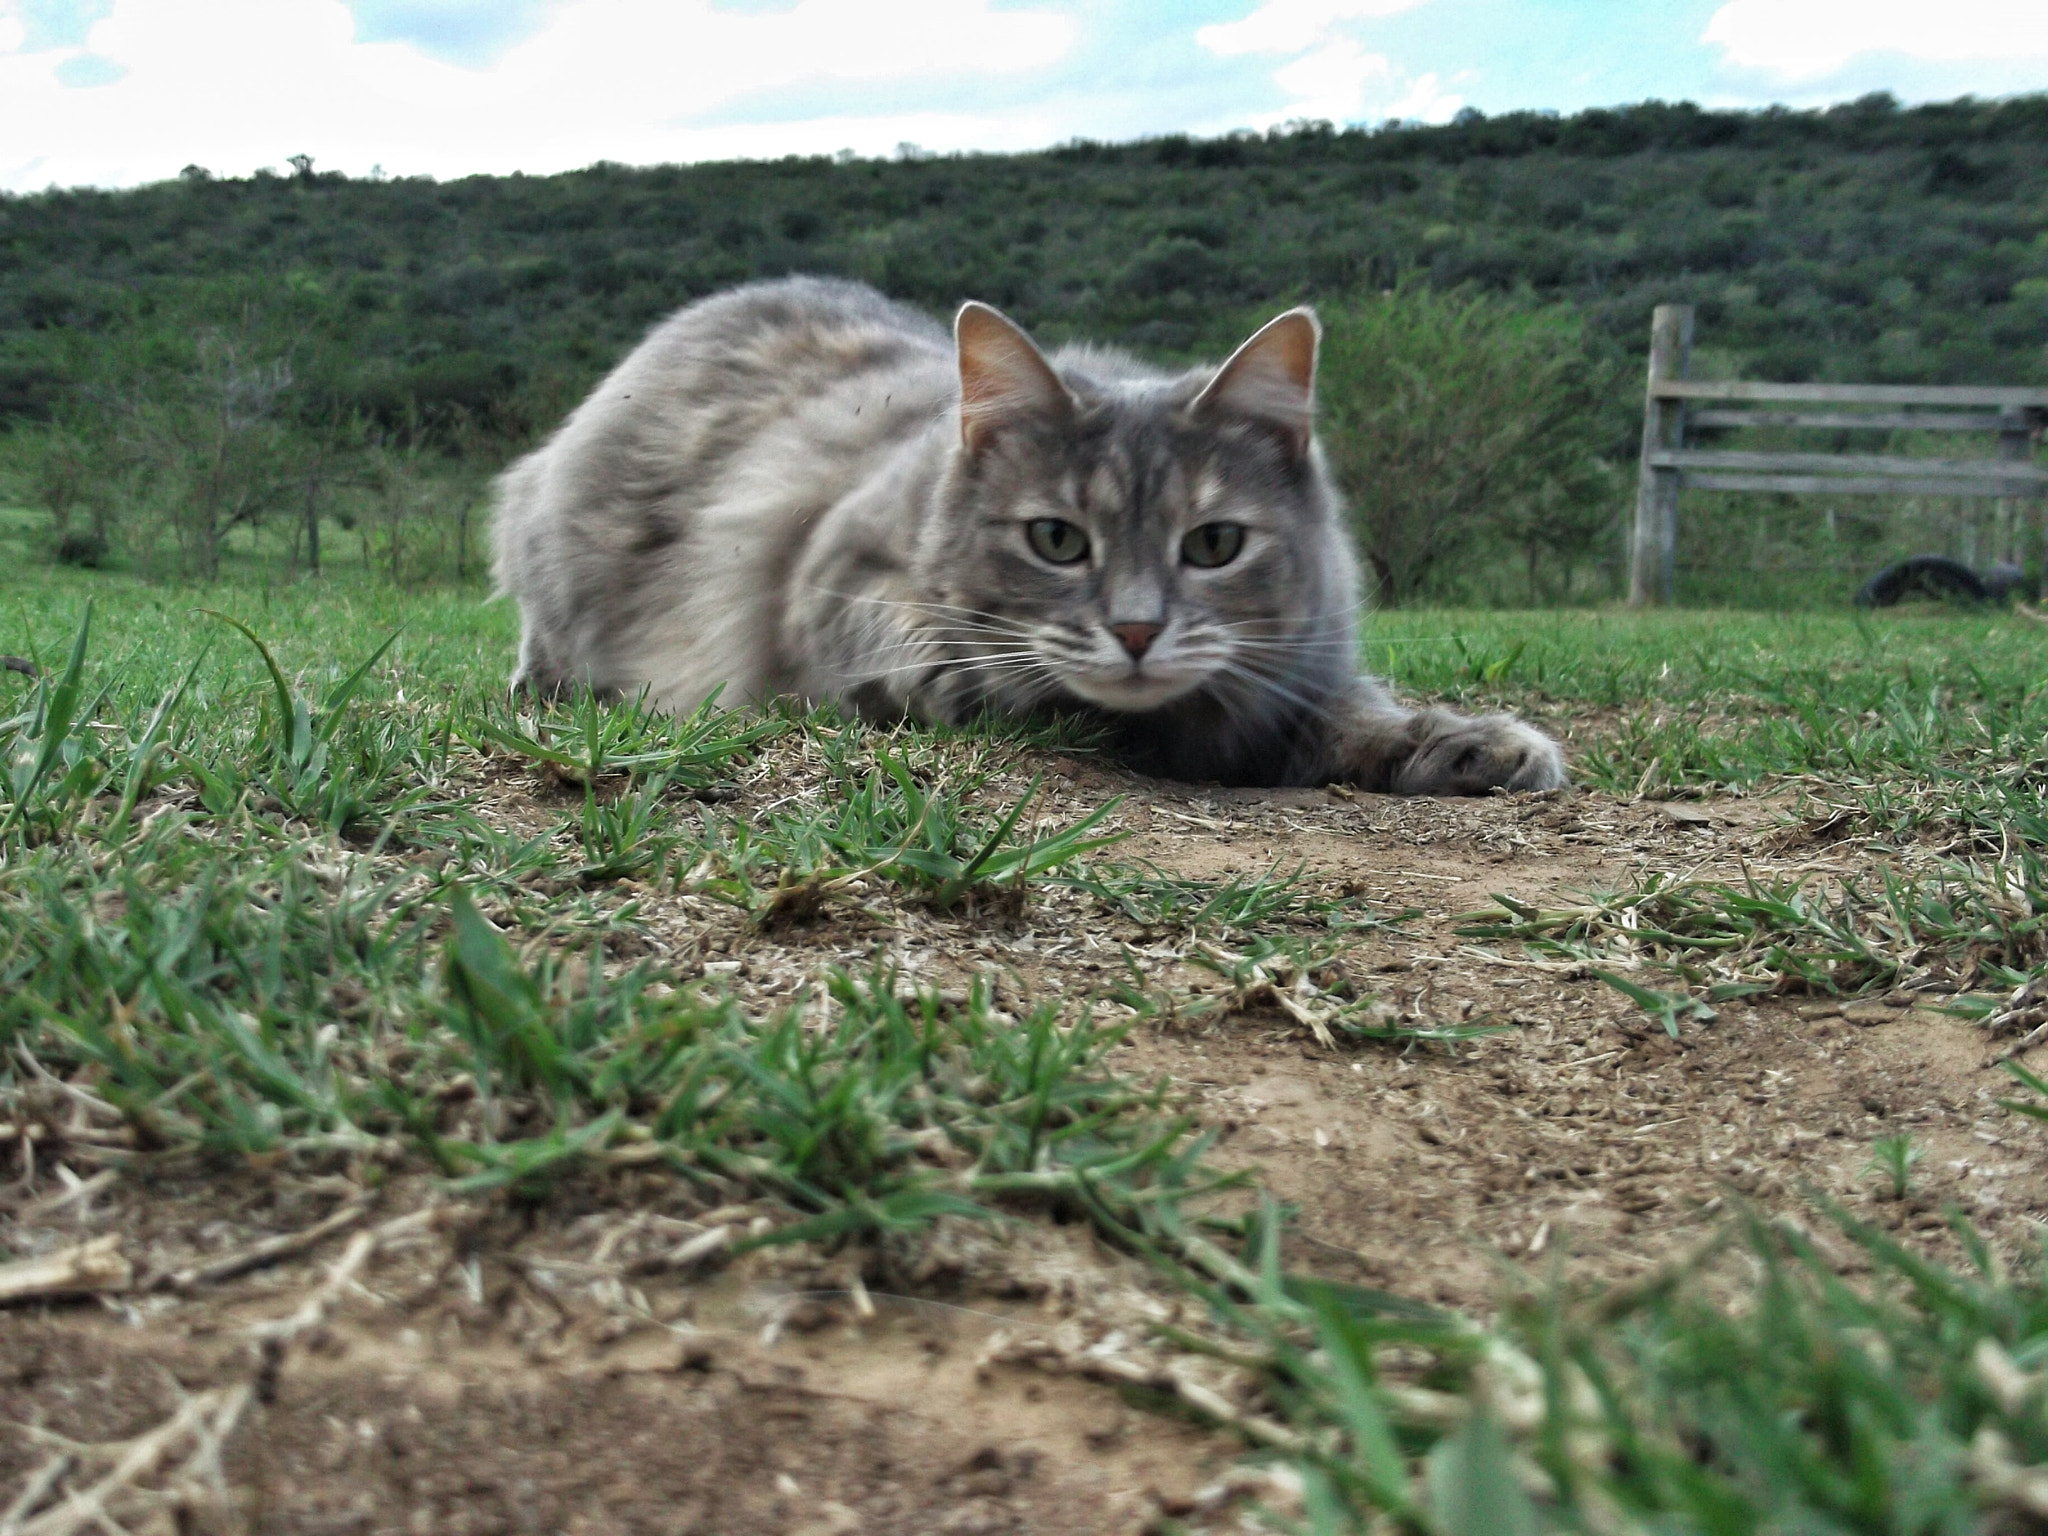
1795, 936
254, 901
1918, 729
260, 907
1718, 700
1614, 658
1909, 1404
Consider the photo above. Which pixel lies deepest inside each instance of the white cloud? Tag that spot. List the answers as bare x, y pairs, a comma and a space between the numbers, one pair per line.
1804, 39
1332, 76
1292, 26
1426, 102
1330, 83
231, 84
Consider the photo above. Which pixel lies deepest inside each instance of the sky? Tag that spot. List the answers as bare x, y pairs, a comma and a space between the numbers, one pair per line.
118, 92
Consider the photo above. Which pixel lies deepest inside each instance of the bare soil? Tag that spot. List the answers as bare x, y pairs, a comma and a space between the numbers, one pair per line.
521, 1369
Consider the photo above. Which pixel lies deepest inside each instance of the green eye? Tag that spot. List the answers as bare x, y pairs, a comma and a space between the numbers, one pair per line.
1057, 540
1212, 544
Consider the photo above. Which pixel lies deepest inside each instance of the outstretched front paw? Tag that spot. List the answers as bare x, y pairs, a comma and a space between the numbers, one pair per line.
1469, 755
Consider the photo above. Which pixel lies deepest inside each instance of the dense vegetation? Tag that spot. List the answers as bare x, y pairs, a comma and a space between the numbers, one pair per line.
1864, 242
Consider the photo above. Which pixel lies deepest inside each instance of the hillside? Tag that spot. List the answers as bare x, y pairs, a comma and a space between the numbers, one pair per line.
1865, 241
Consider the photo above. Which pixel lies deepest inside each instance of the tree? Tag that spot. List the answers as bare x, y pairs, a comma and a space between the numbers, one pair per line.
1458, 421
209, 444
59, 465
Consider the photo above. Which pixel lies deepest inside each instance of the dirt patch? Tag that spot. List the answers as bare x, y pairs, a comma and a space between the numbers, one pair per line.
382, 1430
526, 1372
1583, 1123
513, 1370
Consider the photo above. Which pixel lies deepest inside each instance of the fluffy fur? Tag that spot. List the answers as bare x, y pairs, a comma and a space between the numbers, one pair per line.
802, 488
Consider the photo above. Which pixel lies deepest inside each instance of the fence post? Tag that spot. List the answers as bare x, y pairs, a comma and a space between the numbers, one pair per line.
2015, 444
1655, 550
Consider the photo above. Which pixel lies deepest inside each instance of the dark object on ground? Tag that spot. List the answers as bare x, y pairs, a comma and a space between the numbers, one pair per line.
2006, 580
19, 664
86, 549
1939, 576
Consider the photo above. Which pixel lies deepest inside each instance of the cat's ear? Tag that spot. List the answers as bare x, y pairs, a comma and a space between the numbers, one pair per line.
1003, 375
1271, 378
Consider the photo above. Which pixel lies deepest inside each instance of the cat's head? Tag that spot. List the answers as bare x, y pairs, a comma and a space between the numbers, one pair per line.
1127, 539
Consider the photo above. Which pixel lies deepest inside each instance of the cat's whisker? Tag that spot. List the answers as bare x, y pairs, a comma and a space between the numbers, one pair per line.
1364, 604
1319, 641
969, 637
1002, 670
1036, 684
1273, 685
949, 664
1270, 642
920, 605
947, 632
982, 623
1253, 629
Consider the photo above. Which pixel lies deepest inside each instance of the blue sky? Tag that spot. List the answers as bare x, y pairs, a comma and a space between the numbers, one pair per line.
115, 92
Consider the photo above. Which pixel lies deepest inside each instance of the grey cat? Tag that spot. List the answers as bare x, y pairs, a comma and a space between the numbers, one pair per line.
800, 487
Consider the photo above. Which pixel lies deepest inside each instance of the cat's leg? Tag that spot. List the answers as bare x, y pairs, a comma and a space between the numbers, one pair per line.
1378, 744
536, 675
542, 673
543, 676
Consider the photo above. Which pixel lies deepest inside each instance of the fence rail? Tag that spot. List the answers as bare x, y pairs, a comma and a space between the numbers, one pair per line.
1998, 396
2016, 415
1887, 421
2000, 470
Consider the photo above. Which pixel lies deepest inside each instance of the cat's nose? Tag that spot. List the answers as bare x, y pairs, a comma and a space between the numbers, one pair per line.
1136, 638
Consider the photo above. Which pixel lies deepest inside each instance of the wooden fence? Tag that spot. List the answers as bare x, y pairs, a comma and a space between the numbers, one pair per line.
1674, 405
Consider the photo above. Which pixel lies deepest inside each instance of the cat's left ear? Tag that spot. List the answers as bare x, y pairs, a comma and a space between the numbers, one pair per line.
1271, 378
1003, 375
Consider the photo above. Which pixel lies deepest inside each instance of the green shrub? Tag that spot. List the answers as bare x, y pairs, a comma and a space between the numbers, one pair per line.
1466, 429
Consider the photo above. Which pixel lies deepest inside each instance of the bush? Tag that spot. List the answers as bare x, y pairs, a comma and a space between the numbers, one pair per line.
1171, 265
82, 549
1466, 429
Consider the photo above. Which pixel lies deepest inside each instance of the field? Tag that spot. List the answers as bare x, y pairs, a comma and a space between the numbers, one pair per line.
424, 1113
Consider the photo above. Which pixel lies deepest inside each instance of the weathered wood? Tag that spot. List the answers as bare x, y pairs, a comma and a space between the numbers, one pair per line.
1654, 553
1666, 464
2015, 446
2015, 434
2004, 471
1854, 485
1996, 396
1874, 421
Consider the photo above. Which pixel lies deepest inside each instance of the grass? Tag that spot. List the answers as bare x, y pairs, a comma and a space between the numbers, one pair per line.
1158, 899
257, 902
1907, 1404
1912, 730
1954, 925
1700, 701
266, 913
895, 1108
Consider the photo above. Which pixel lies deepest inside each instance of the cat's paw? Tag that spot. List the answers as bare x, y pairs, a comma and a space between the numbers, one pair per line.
1471, 754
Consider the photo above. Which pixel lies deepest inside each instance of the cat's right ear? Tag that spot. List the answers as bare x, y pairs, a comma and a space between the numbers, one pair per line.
1003, 375
1272, 378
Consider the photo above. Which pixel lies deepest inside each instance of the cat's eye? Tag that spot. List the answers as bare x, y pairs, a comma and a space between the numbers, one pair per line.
1212, 544
1057, 540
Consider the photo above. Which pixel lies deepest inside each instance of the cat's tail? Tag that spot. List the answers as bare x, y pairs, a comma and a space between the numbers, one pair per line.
514, 506
520, 568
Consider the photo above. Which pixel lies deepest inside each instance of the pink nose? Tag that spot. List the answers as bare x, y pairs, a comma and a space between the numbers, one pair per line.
1135, 638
